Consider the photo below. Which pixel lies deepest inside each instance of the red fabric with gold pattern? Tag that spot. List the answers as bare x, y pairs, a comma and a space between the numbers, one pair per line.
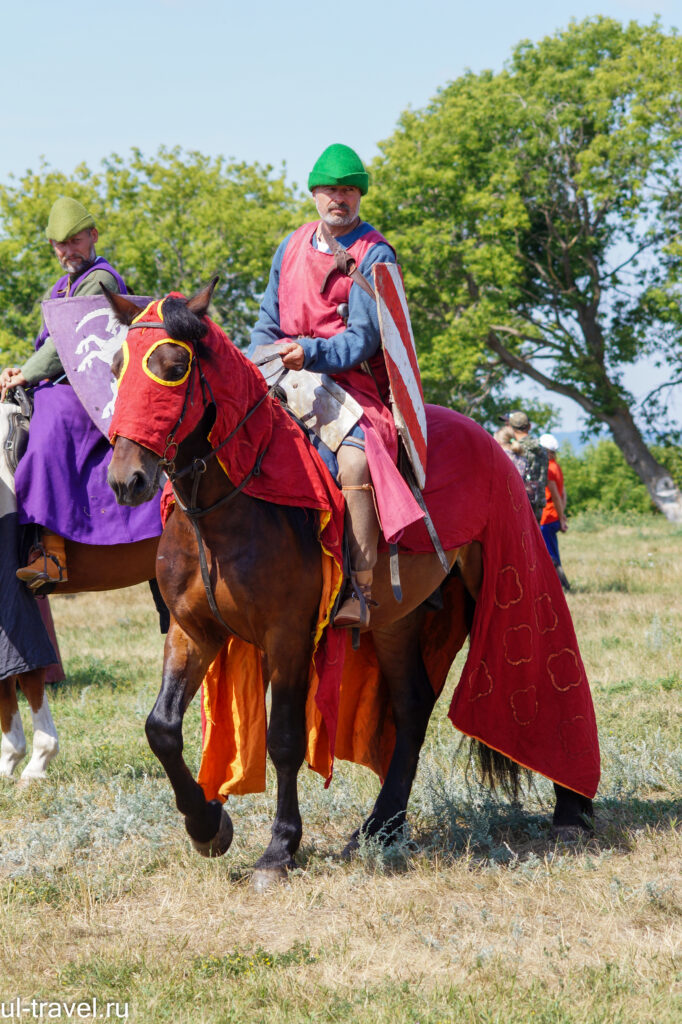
523, 689
146, 409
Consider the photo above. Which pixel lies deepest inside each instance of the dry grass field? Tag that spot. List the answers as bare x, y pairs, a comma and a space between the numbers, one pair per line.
477, 916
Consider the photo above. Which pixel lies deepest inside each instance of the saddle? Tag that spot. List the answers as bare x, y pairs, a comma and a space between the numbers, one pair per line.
318, 404
19, 418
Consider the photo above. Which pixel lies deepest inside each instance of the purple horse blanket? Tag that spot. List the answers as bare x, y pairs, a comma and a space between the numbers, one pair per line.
61, 481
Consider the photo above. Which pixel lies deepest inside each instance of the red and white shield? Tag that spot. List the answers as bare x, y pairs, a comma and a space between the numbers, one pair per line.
400, 354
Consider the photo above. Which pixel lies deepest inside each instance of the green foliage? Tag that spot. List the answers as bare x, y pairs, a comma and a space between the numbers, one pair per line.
166, 222
598, 479
537, 216
27, 263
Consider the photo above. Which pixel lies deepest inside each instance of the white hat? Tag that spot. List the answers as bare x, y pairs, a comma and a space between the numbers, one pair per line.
550, 442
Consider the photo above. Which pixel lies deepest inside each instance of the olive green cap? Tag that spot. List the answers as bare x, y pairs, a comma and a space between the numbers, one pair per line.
67, 218
339, 165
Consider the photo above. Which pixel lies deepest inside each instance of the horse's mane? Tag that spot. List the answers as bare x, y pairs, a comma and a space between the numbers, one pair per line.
184, 325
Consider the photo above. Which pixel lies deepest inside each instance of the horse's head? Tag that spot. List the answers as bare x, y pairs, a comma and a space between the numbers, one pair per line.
162, 392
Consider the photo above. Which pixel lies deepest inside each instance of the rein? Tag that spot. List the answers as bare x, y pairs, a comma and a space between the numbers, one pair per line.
198, 467
196, 470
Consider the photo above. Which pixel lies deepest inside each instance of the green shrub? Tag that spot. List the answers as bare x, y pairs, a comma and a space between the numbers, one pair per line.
599, 479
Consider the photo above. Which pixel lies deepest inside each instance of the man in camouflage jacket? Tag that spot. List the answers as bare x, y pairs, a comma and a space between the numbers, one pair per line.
537, 461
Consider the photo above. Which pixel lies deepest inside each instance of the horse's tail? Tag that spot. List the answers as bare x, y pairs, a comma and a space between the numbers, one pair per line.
496, 770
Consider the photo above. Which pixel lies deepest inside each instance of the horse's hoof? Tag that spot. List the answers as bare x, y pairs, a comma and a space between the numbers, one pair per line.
24, 780
221, 841
264, 879
9, 759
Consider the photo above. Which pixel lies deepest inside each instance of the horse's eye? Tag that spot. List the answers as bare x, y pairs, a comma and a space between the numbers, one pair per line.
117, 364
177, 371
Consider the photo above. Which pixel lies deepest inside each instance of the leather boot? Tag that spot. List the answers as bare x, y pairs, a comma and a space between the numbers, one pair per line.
354, 609
46, 565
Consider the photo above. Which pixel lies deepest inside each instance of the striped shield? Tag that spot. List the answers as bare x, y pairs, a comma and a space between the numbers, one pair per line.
407, 397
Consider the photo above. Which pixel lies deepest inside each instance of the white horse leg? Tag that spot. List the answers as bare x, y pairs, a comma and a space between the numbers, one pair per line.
13, 743
45, 743
13, 746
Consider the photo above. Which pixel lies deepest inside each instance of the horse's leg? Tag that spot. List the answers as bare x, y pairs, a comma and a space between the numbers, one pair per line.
412, 699
286, 747
45, 741
184, 667
573, 814
13, 745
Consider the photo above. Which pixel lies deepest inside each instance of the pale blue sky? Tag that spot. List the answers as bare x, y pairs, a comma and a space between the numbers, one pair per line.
266, 82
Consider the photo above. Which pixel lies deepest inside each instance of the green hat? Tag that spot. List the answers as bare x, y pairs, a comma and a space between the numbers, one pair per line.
67, 218
339, 165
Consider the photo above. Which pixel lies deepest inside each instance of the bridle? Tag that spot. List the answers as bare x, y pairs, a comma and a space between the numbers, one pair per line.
198, 466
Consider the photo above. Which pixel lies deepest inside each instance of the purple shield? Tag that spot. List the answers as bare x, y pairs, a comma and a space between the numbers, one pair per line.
87, 337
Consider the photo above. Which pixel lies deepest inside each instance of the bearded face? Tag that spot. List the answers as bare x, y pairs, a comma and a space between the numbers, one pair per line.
76, 253
338, 205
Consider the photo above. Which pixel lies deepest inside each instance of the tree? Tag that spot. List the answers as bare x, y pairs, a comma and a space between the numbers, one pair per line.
599, 480
166, 223
537, 214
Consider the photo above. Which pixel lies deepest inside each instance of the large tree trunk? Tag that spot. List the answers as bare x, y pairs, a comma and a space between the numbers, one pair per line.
656, 478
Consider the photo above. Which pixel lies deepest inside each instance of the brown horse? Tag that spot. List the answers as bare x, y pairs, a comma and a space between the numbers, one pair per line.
91, 568
262, 572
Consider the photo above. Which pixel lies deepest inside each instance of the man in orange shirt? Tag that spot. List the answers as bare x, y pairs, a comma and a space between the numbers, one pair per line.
553, 517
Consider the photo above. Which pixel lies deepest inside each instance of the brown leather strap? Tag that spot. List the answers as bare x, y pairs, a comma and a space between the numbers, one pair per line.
344, 262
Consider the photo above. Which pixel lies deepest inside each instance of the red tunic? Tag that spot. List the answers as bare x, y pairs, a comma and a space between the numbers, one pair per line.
549, 512
308, 307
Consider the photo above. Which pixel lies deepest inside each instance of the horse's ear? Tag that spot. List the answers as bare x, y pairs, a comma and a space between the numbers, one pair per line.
200, 302
123, 308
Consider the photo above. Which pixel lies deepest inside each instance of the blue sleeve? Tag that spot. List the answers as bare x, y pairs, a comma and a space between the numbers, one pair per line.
361, 339
267, 329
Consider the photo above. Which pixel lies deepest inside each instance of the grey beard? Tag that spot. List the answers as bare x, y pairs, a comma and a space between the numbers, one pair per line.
80, 269
83, 264
332, 219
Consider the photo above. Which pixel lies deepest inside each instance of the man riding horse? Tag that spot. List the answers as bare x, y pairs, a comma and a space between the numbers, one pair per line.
324, 321
61, 484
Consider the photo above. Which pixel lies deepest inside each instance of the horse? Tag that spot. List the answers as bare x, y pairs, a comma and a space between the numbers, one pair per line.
91, 568
231, 565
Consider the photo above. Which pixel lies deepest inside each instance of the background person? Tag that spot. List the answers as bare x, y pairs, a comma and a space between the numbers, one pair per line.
61, 485
535, 475
508, 443
553, 519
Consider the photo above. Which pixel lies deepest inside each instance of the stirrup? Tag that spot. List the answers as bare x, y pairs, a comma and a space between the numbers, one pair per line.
354, 611
39, 581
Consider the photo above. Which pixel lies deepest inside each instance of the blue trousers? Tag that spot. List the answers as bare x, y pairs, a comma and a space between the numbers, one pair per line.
550, 531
